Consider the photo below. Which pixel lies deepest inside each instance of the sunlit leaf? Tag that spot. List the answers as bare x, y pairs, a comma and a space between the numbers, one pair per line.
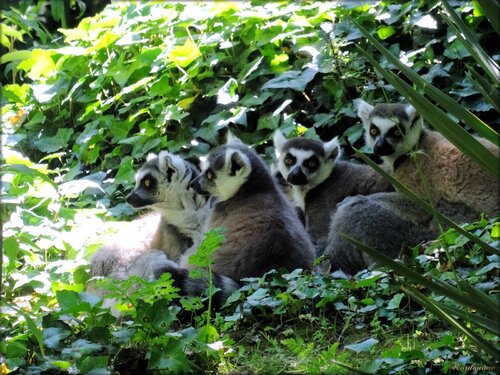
385, 32
185, 54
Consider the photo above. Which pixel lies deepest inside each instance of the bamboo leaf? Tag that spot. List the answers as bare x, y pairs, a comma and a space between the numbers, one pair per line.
433, 307
442, 99
440, 288
491, 9
470, 42
479, 320
489, 92
425, 205
437, 118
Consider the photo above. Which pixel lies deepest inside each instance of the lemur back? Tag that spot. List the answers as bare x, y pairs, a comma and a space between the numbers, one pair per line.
262, 230
319, 181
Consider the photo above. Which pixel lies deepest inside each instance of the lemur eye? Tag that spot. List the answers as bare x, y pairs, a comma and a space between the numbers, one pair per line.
289, 160
397, 133
374, 131
210, 175
147, 182
312, 164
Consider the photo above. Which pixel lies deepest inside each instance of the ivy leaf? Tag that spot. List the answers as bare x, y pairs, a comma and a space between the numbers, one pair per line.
126, 171
185, 54
362, 346
53, 335
385, 32
395, 301
94, 365
58, 141
293, 79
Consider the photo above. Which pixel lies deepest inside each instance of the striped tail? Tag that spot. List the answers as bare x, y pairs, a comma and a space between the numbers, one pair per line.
196, 286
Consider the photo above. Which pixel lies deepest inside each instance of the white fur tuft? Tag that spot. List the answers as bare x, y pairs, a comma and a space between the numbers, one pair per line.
279, 141
226, 184
410, 111
329, 147
364, 109
231, 139
151, 156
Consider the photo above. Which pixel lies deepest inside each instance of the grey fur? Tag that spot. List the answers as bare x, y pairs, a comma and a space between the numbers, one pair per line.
262, 231
388, 222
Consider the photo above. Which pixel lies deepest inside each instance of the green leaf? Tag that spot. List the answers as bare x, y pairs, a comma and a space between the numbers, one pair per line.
434, 284
363, 346
185, 54
58, 141
67, 299
491, 9
126, 171
17, 93
39, 65
94, 365
14, 56
461, 327
53, 336
25, 170
105, 41
269, 121
292, 79
395, 301
470, 42
211, 242
385, 32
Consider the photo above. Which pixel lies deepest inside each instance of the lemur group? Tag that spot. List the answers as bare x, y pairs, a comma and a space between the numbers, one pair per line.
301, 208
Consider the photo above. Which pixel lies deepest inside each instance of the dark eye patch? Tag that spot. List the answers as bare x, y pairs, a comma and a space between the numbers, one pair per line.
396, 132
290, 160
210, 174
312, 163
148, 182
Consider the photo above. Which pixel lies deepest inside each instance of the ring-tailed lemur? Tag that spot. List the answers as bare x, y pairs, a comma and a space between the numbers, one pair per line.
395, 130
179, 213
390, 222
319, 181
262, 230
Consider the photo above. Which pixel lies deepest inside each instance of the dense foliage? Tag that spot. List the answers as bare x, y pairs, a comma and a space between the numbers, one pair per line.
81, 112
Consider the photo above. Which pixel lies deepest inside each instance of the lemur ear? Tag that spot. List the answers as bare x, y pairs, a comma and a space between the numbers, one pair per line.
410, 111
279, 141
164, 160
364, 109
236, 161
231, 139
151, 156
331, 148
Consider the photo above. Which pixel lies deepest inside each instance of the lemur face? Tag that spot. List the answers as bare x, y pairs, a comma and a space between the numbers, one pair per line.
391, 130
223, 171
159, 181
304, 162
